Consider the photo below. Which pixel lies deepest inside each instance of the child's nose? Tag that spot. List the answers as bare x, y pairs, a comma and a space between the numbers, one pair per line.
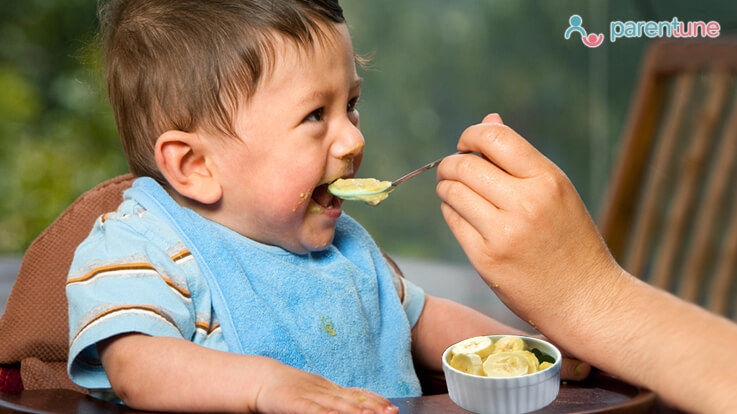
349, 144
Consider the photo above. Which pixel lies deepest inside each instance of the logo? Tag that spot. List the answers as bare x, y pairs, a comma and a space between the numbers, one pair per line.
674, 28
590, 40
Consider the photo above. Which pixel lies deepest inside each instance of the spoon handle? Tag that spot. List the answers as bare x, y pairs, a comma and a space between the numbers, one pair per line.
422, 169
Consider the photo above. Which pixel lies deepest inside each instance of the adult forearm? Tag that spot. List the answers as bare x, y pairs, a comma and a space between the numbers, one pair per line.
169, 374
527, 232
649, 337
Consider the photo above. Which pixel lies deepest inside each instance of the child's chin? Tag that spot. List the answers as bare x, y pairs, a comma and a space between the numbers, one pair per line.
317, 240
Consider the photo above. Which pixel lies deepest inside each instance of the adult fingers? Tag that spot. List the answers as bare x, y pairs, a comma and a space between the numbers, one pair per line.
505, 148
575, 370
475, 209
483, 177
467, 236
492, 119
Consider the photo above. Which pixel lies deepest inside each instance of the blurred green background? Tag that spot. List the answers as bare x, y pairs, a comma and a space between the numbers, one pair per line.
438, 66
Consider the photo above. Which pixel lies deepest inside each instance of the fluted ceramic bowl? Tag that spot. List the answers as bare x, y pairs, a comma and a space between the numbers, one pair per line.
492, 395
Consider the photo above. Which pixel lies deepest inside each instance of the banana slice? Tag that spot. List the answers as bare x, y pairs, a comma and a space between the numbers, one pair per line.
468, 363
544, 365
506, 364
532, 359
479, 345
509, 344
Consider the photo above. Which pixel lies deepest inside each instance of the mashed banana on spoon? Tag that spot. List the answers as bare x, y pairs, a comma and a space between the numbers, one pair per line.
372, 191
369, 190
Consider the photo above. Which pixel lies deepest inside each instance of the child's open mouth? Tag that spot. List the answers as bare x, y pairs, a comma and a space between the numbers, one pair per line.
324, 202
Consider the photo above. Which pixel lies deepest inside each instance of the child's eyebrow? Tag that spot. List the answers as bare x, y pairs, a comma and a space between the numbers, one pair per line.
321, 94
312, 97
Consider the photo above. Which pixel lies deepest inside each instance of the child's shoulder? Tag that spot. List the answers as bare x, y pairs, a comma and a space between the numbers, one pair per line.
129, 232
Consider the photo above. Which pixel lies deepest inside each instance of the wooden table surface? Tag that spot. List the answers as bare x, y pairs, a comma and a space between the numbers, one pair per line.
600, 393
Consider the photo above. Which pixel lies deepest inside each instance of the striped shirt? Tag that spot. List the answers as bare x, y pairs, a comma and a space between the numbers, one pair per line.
134, 274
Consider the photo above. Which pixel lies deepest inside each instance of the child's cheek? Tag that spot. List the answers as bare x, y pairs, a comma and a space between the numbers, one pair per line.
285, 208
290, 203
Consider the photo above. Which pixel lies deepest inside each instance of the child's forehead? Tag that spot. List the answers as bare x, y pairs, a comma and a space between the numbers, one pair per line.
327, 40
290, 60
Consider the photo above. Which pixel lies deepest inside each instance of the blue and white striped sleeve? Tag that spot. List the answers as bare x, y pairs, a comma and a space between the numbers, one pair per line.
120, 281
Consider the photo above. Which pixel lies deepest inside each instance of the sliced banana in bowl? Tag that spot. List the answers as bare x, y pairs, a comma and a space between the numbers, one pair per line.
545, 365
507, 364
468, 363
532, 359
502, 374
479, 345
509, 344
509, 356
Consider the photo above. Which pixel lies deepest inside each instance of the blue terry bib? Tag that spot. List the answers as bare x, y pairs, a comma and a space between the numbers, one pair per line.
334, 313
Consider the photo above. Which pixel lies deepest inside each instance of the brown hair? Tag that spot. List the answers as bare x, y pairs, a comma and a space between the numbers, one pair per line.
184, 64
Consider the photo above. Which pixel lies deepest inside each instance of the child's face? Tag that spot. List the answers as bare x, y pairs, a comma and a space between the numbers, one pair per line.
298, 132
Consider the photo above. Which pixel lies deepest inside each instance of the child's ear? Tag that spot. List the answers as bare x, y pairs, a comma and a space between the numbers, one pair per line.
184, 160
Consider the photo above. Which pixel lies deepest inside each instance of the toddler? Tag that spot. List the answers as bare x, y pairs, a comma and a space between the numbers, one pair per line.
228, 279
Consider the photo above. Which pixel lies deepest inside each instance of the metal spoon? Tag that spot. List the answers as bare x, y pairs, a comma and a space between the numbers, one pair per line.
360, 193
424, 168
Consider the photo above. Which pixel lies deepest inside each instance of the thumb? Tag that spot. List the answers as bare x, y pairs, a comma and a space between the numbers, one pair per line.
492, 119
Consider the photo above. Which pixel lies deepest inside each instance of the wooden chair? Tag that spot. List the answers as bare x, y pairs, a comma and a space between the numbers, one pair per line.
670, 216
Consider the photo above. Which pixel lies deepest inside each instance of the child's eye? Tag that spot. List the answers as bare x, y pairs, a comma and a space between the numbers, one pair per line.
352, 104
315, 116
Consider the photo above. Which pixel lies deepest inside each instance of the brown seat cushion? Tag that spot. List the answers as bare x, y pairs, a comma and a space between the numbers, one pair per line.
34, 330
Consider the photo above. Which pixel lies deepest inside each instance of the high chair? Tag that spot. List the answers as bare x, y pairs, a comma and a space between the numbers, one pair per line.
34, 332
34, 328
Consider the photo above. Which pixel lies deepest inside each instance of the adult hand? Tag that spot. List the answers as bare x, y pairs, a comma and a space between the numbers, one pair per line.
527, 233
522, 224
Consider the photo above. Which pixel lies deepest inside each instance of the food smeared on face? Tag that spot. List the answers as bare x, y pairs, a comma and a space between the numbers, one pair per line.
302, 198
369, 190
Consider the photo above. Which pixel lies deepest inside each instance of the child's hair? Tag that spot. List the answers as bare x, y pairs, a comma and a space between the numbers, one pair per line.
184, 64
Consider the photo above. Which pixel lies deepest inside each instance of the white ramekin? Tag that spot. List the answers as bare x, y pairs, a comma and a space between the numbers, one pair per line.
491, 395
